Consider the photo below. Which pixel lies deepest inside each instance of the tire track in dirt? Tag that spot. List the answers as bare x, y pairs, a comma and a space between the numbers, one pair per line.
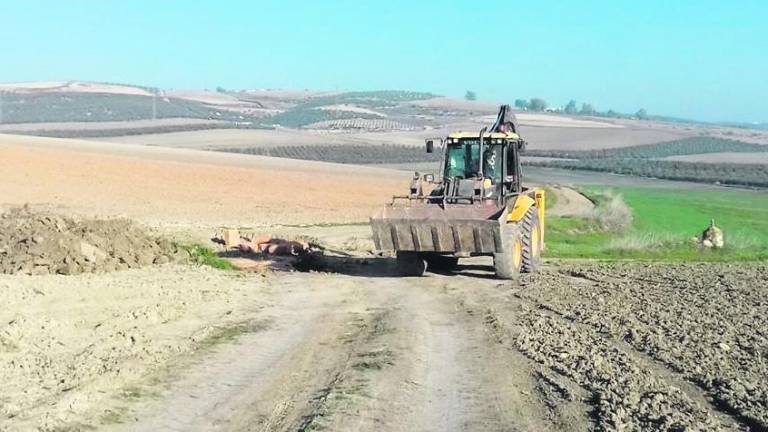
293, 413
449, 374
350, 353
269, 379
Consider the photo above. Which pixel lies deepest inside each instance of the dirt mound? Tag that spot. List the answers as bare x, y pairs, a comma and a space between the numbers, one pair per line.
569, 202
45, 243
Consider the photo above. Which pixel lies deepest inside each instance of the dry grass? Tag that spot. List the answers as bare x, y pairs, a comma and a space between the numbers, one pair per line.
611, 213
643, 242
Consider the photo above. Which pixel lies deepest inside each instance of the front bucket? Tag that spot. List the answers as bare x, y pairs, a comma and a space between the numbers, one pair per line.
430, 228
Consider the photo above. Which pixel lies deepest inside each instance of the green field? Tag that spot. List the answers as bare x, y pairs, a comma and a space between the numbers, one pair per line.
663, 222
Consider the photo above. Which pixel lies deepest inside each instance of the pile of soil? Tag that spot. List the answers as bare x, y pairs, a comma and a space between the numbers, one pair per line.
38, 243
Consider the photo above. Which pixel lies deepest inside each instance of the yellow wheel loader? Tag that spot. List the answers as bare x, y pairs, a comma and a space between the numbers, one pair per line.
477, 207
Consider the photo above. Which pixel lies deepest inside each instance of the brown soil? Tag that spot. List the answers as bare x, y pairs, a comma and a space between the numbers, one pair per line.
162, 186
69, 345
575, 138
569, 202
43, 243
661, 346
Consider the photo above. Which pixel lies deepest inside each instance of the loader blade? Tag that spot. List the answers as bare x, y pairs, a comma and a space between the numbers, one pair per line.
431, 228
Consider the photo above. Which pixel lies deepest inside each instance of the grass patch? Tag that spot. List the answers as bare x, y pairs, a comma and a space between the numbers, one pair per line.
551, 198
661, 225
204, 256
374, 360
228, 334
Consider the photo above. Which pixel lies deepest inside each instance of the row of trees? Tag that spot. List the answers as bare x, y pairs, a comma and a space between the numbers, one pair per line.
572, 108
685, 146
344, 153
729, 174
534, 104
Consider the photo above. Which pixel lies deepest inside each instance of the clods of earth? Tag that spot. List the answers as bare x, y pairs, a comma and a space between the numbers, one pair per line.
37, 243
662, 347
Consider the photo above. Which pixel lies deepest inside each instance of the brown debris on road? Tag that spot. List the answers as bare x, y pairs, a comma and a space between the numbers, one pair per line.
265, 244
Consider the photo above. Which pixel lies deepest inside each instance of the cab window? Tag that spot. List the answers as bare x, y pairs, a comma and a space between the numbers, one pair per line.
463, 160
492, 162
456, 161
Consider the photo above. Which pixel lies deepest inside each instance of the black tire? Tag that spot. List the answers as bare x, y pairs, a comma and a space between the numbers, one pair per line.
532, 241
436, 262
410, 264
509, 262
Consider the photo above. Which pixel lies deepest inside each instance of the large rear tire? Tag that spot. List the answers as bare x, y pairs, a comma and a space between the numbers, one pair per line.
532, 241
509, 262
410, 264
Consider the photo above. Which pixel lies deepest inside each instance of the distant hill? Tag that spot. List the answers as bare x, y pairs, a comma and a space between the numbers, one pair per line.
92, 109
77, 101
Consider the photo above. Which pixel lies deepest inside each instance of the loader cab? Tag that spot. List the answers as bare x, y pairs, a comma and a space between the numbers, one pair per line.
495, 159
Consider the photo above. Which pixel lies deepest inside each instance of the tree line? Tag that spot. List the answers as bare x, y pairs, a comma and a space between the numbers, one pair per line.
753, 175
681, 147
573, 108
646, 161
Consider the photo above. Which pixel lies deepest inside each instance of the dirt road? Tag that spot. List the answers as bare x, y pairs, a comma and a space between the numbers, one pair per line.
350, 353
569, 349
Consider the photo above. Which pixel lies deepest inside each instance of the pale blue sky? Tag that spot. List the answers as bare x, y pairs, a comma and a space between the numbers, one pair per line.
706, 60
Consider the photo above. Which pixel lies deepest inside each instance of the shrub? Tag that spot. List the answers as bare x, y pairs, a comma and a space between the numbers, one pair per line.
203, 256
611, 213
